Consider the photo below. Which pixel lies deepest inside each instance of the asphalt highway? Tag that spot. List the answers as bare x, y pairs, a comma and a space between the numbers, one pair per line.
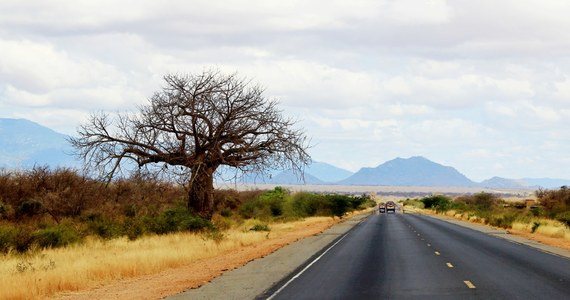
409, 256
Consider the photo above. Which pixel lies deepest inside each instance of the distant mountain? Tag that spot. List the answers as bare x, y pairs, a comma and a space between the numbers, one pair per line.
499, 182
24, 144
326, 172
314, 173
413, 171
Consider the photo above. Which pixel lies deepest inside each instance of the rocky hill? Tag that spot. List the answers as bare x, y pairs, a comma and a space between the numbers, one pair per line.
413, 171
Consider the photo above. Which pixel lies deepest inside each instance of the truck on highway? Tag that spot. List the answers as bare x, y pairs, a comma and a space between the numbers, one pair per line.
381, 207
390, 206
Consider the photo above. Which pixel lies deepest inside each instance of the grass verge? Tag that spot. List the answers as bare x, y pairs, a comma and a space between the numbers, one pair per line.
45, 273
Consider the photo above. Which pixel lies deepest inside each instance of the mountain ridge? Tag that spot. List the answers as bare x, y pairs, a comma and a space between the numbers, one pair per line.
25, 144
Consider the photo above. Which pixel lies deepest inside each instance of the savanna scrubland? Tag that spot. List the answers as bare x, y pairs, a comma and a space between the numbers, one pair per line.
546, 215
61, 231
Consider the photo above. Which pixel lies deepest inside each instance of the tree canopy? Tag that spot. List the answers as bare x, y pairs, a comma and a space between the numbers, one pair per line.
189, 128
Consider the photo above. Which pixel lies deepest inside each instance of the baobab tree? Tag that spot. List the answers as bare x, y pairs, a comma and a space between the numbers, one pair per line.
192, 126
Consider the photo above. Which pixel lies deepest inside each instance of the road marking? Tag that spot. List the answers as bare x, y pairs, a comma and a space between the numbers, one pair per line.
418, 234
429, 245
437, 253
449, 265
469, 284
307, 267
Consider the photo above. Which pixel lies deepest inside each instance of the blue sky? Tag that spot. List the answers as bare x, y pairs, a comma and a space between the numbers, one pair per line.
483, 86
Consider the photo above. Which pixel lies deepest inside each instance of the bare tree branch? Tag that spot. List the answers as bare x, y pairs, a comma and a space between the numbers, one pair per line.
195, 123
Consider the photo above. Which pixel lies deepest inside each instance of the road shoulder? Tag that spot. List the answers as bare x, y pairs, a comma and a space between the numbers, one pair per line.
260, 275
501, 233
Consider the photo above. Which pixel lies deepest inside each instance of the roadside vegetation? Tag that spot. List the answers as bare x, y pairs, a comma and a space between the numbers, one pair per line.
56, 224
44, 208
548, 215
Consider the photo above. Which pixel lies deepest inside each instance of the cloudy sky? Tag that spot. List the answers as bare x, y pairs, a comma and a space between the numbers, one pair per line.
483, 86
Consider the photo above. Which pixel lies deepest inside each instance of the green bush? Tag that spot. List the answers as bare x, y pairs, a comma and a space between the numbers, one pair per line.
176, 219
134, 228
260, 227
102, 226
414, 203
537, 211
564, 217
439, 203
22, 240
339, 204
55, 236
6, 238
503, 221
304, 204
268, 205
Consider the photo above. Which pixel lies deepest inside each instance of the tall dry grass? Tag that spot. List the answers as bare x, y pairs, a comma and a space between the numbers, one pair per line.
538, 226
545, 227
51, 271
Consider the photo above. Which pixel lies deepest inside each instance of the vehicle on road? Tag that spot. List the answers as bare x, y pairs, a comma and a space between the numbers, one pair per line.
381, 208
390, 206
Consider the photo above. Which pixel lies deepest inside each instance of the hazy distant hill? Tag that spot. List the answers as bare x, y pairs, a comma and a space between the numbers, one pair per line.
24, 144
413, 171
499, 182
326, 172
315, 173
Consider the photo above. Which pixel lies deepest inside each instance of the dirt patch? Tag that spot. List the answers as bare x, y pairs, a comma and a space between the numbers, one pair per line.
173, 281
550, 241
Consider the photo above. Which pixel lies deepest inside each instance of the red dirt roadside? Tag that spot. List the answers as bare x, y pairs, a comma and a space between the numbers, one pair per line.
177, 280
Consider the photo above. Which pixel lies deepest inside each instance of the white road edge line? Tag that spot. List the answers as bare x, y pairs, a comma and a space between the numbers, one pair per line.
306, 268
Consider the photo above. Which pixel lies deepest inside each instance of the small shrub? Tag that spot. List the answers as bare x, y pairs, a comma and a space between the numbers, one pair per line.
55, 236
133, 228
564, 217
177, 219
339, 204
226, 212
130, 211
29, 208
6, 238
537, 211
439, 203
22, 239
535, 226
103, 227
503, 221
260, 227
214, 235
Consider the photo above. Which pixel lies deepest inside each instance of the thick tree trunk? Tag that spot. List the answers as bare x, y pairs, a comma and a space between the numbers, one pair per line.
201, 192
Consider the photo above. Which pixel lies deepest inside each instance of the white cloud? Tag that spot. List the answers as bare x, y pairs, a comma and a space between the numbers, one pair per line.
474, 84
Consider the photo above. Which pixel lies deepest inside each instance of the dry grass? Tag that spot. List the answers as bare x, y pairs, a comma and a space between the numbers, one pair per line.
95, 262
546, 227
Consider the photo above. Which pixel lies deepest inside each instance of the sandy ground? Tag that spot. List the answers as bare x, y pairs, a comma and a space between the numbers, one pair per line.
177, 280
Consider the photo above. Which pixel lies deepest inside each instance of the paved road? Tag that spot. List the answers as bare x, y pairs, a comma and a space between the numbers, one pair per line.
408, 256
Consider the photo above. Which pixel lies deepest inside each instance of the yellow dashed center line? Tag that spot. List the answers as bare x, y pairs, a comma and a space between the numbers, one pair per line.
469, 284
449, 265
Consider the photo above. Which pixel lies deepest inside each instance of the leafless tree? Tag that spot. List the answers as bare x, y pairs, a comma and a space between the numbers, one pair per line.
195, 124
